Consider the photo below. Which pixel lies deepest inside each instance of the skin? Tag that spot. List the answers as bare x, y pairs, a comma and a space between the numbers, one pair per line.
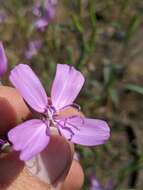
13, 172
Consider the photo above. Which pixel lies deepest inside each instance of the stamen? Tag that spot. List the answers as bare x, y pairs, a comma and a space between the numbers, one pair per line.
74, 105
51, 109
65, 128
48, 116
70, 117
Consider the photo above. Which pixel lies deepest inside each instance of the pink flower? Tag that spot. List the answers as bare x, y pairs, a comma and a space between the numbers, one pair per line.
33, 48
45, 12
3, 17
96, 185
32, 136
3, 60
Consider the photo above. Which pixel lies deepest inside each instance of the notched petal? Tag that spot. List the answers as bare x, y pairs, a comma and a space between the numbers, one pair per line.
66, 86
84, 131
30, 137
29, 86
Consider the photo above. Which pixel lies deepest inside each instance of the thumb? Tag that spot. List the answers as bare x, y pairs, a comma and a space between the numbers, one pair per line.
14, 175
52, 165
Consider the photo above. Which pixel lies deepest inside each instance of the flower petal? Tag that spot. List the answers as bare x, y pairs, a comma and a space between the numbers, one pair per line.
29, 86
3, 60
88, 132
66, 86
95, 184
30, 138
33, 48
41, 23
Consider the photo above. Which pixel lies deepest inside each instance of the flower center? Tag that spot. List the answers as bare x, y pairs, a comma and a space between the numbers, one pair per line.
48, 116
55, 119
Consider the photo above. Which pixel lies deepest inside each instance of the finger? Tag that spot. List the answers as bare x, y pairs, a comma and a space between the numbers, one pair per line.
9, 165
75, 177
13, 175
13, 110
52, 165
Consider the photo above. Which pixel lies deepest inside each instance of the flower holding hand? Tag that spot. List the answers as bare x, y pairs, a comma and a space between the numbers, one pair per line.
14, 173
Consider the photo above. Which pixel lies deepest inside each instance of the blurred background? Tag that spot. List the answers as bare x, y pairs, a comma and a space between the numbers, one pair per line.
104, 40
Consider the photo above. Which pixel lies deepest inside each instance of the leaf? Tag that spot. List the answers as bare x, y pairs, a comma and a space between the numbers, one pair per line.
134, 88
107, 73
114, 96
92, 12
133, 26
77, 23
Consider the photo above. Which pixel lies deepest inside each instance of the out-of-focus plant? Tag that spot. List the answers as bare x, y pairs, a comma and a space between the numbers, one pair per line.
112, 73
134, 88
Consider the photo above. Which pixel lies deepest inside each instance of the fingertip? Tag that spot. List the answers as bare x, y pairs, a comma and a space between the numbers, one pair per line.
10, 167
75, 177
12, 109
53, 163
14, 175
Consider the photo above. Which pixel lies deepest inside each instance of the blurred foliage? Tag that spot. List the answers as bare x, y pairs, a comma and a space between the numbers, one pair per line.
103, 39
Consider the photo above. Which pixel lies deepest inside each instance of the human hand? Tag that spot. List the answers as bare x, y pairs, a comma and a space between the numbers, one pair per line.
58, 157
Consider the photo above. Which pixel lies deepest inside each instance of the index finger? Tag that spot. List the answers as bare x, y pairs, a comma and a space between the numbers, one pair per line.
13, 109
